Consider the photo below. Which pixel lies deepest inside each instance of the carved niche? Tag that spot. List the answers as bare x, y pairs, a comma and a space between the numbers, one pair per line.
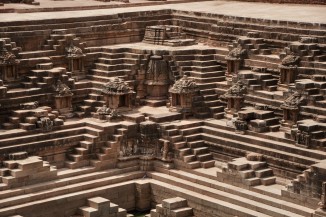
235, 96
234, 59
157, 78
117, 93
63, 97
8, 63
291, 107
182, 93
288, 69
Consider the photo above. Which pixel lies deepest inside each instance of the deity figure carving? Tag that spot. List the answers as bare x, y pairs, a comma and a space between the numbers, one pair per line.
45, 123
63, 97
7, 57
238, 89
236, 53
290, 60
103, 112
129, 147
62, 89
240, 125
73, 51
291, 107
149, 135
8, 63
293, 101
303, 138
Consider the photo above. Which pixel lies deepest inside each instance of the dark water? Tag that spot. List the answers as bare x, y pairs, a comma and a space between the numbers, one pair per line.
139, 214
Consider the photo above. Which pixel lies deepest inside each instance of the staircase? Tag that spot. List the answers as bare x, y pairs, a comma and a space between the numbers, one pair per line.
188, 145
250, 173
244, 202
172, 207
44, 77
101, 207
258, 80
223, 142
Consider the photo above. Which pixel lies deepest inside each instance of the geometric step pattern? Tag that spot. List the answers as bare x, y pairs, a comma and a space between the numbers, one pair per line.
172, 207
101, 207
22, 170
250, 172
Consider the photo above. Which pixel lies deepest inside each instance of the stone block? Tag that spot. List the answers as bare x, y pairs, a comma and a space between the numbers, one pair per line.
258, 123
98, 202
113, 208
31, 120
174, 203
58, 122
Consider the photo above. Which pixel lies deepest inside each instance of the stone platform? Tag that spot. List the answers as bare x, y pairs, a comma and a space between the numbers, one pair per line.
232, 124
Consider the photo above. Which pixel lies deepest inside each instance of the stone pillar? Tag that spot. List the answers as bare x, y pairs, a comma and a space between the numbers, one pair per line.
143, 196
157, 78
63, 102
237, 103
75, 64
287, 75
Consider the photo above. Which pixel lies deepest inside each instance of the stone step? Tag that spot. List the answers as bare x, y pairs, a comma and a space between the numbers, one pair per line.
254, 181
78, 189
76, 164
194, 137
262, 173
189, 158
199, 74
200, 150
269, 82
81, 151
193, 164
204, 63
205, 157
189, 124
207, 164
184, 152
268, 180
179, 145
107, 67
217, 109
211, 79
20, 140
190, 131
105, 73
246, 174
314, 110
171, 132
176, 138
210, 97
196, 144
103, 79
117, 61
249, 147
213, 103
36, 54
247, 200
264, 142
